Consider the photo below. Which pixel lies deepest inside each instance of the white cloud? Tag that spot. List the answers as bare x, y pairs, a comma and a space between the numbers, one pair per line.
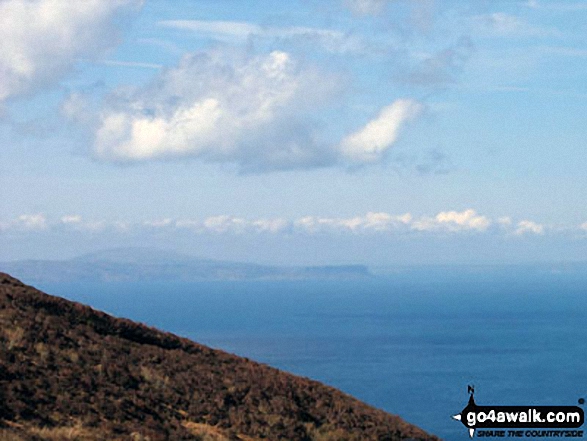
76, 222
374, 222
504, 221
224, 223
308, 223
270, 225
255, 111
143, 137
382, 221
527, 226
369, 222
232, 224
71, 219
583, 226
25, 222
220, 107
42, 39
216, 28
453, 221
31, 222
313, 224
69, 223
370, 142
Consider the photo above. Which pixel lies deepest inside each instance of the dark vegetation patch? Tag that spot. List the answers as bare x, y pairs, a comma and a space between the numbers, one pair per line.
68, 372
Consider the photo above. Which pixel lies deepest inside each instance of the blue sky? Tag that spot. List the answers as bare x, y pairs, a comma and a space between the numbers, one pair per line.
344, 131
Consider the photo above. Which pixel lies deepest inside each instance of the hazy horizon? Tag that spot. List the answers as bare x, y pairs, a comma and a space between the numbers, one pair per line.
167, 256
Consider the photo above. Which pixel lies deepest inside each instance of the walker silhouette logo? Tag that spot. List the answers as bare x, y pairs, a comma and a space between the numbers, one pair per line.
521, 421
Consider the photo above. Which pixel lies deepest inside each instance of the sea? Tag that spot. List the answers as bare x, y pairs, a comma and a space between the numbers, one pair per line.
409, 341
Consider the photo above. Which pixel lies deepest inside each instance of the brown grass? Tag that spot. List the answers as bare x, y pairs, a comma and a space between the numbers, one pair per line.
205, 432
70, 373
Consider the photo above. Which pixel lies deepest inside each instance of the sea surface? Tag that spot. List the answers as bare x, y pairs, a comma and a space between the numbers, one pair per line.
408, 343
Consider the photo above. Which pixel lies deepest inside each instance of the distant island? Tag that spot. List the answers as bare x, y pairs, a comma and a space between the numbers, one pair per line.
68, 372
149, 264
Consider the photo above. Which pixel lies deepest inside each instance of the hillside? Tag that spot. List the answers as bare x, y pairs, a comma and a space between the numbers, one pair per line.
68, 372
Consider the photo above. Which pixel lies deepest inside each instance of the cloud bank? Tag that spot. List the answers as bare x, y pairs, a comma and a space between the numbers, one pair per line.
444, 223
236, 31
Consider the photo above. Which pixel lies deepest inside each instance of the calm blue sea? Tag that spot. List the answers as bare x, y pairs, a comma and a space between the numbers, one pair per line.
409, 343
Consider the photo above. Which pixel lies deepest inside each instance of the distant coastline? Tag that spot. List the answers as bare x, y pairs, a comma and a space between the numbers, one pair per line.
150, 264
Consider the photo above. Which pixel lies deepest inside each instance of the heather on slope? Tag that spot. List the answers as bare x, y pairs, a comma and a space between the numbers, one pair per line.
70, 372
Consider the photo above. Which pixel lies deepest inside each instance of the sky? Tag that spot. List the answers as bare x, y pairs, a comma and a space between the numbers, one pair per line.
381, 132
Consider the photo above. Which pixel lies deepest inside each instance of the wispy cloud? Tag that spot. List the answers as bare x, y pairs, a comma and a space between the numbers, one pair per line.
131, 64
500, 24
234, 31
215, 28
435, 162
442, 67
428, 162
558, 6
528, 227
